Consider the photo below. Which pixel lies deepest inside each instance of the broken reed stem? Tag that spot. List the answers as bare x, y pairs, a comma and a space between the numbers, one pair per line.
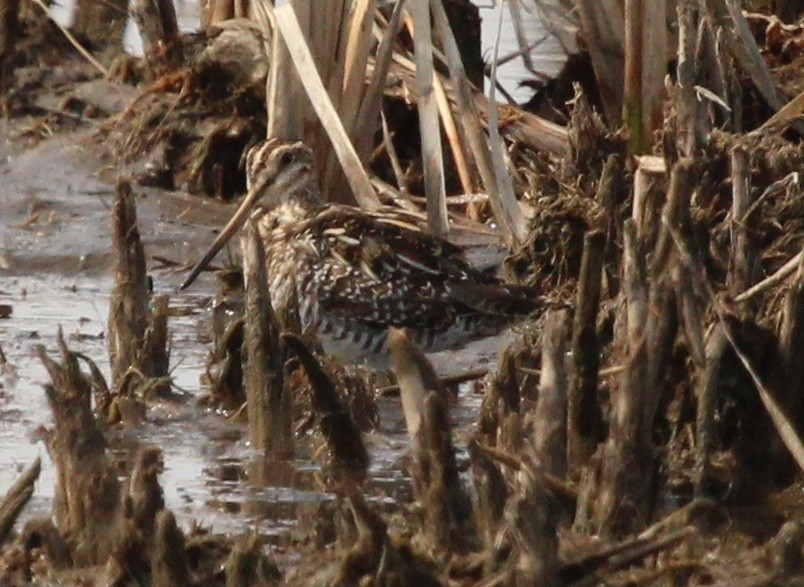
267, 399
350, 459
128, 307
550, 415
396, 166
647, 198
742, 255
369, 113
627, 476
492, 493
706, 408
355, 60
435, 475
507, 208
145, 498
17, 497
532, 520
771, 281
447, 381
454, 138
660, 332
87, 494
675, 213
169, 562
585, 421
448, 519
415, 377
159, 29
138, 335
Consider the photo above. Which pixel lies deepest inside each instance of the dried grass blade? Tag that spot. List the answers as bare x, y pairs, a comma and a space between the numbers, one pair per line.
451, 130
357, 53
288, 26
469, 118
507, 208
429, 125
369, 111
747, 53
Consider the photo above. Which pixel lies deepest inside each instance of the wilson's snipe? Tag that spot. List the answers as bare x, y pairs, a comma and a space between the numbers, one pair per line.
354, 273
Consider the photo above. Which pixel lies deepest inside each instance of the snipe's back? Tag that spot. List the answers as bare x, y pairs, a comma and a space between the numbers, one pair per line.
350, 274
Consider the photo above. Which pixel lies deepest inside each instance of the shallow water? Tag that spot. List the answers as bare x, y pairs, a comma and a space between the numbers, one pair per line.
206, 459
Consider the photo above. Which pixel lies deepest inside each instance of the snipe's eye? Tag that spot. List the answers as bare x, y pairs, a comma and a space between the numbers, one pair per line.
286, 158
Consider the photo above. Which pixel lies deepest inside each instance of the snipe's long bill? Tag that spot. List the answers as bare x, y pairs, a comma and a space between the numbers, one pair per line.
350, 274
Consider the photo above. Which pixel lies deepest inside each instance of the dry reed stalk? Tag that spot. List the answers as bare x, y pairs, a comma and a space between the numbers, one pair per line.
87, 502
727, 15
268, 401
283, 119
505, 212
645, 67
626, 479
396, 166
791, 343
73, 41
520, 33
550, 416
776, 278
436, 480
508, 205
288, 25
429, 123
349, 457
169, 561
533, 130
647, 199
602, 25
357, 54
584, 421
532, 523
17, 497
451, 130
332, 61
369, 112
159, 28
687, 103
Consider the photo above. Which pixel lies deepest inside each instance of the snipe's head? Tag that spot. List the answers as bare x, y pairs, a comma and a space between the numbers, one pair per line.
276, 171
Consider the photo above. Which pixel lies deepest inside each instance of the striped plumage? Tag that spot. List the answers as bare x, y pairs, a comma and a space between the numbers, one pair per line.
351, 273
